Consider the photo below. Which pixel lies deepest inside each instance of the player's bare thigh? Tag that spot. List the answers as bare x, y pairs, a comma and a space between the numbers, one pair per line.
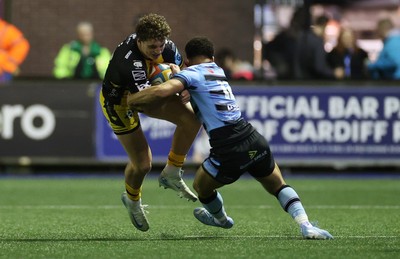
173, 110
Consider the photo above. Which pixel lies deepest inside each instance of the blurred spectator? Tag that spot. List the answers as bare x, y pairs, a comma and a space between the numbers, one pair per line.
319, 26
297, 52
235, 69
243, 70
387, 66
14, 48
347, 58
225, 59
83, 58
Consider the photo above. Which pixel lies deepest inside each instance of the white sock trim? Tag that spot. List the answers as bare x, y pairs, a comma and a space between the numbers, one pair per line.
301, 219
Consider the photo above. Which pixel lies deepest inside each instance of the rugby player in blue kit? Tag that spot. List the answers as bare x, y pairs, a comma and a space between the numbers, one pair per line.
236, 147
128, 72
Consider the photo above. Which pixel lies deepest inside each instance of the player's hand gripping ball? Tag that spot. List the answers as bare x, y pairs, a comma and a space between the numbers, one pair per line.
159, 73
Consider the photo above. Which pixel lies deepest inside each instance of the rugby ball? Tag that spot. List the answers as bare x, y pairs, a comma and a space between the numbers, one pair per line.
159, 73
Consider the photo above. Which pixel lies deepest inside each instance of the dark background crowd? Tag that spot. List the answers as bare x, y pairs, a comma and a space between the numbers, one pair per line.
255, 40
300, 52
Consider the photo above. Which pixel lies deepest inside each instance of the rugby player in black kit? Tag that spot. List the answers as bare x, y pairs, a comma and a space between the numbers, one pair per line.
127, 74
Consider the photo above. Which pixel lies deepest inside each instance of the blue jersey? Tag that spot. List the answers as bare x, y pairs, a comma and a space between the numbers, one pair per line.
211, 95
236, 147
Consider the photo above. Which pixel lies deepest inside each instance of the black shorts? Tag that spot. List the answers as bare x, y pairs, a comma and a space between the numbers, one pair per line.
252, 154
120, 117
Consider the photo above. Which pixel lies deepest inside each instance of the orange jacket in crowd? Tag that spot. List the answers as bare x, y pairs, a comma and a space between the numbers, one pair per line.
13, 48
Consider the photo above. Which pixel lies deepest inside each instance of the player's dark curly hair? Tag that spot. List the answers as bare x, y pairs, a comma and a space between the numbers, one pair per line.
152, 26
199, 46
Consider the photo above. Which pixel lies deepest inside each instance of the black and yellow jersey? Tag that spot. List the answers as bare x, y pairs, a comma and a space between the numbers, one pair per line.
128, 68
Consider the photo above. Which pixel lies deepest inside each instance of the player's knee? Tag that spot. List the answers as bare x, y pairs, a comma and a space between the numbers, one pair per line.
139, 169
144, 168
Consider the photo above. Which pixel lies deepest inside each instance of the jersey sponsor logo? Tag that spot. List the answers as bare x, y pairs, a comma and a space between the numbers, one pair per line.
139, 75
226, 107
143, 86
128, 54
137, 64
232, 107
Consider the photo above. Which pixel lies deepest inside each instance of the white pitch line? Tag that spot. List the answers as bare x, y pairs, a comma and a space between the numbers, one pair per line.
355, 207
361, 237
59, 207
109, 207
285, 237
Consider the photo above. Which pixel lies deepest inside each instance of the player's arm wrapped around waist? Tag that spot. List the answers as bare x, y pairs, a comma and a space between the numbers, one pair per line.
144, 99
154, 95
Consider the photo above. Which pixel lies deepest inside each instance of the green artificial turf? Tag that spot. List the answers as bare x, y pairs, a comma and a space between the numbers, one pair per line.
84, 218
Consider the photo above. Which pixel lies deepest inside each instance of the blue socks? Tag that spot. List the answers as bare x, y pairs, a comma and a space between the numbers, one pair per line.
215, 205
286, 196
291, 203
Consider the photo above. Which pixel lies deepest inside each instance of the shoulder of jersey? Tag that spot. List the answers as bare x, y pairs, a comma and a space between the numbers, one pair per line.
130, 39
125, 47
